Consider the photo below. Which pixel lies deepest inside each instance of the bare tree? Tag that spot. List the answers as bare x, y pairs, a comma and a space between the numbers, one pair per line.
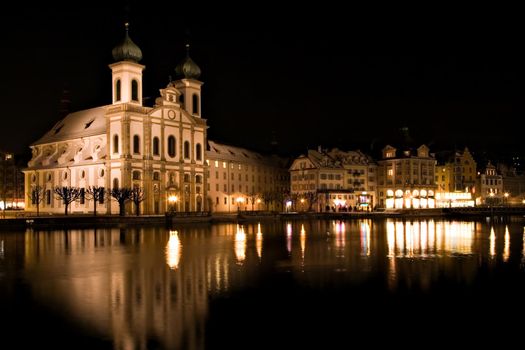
137, 196
252, 197
67, 195
268, 198
311, 197
37, 196
121, 195
96, 194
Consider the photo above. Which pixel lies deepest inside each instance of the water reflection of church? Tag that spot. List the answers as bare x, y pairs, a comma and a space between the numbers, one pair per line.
147, 288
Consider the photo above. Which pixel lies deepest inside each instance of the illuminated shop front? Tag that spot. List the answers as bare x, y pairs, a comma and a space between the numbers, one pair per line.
410, 199
454, 200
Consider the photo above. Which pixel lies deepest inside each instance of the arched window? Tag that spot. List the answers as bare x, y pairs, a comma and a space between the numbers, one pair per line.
186, 149
198, 151
171, 146
115, 183
198, 179
181, 98
155, 146
134, 90
156, 176
117, 90
115, 143
195, 100
136, 175
136, 144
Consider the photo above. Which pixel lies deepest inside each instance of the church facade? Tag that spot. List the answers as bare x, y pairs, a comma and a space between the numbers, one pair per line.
160, 149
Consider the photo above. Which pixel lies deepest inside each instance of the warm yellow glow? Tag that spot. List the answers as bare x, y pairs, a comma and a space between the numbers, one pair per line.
339, 202
506, 244
340, 235
173, 250
390, 193
302, 200
240, 244
172, 199
289, 237
259, 241
391, 238
365, 238
258, 200
240, 199
420, 239
492, 240
390, 203
399, 203
303, 241
491, 194
415, 203
506, 194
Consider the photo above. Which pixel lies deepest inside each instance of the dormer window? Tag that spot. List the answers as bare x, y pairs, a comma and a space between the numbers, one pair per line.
88, 124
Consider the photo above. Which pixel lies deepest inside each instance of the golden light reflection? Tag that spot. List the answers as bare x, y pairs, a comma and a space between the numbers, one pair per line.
289, 237
259, 241
303, 241
173, 250
340, 235
421, 239
523, 249
240, 244
506, 246
492, 240
365, 238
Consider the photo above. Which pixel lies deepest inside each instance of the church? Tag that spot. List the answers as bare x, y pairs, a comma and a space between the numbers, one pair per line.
160, 149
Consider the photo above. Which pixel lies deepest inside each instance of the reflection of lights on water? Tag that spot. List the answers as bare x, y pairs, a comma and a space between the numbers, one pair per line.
173, 250
506, 246
289, 237
422, 238
240, 244
391, 238
365, 238
492, 240
258, 241
303, 240
340, 235
2, 252
523, 250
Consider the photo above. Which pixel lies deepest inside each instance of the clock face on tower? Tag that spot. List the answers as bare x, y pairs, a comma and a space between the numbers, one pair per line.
171, 114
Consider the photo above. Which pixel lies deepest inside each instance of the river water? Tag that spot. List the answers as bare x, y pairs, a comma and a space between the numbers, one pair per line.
300, 284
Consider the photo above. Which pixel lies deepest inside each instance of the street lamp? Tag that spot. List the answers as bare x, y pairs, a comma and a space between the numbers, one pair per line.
172, 200
239, 200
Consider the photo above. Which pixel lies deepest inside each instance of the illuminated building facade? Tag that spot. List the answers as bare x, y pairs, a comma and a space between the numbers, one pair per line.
489, 187
126, 144
406, 178
11, 183
457, 173
240, 179
455, 180
333, 181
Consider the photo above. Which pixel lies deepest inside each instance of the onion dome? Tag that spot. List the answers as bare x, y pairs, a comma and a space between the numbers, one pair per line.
127, 50
187, 68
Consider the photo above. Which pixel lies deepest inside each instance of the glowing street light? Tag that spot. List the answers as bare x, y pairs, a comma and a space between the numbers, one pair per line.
172, 201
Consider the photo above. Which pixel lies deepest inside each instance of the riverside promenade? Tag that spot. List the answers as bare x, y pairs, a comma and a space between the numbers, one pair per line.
23, 220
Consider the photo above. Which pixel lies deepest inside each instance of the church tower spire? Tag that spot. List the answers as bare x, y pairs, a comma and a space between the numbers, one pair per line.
188, 73
126, 71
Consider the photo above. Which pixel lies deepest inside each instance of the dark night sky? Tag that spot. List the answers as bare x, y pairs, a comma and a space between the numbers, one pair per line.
330, 75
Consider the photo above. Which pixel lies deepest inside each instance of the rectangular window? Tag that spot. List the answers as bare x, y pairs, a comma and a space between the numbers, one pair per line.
233, 176
225, 188
216, 163
224, 176
390, 172
217, 187
102, 194
216, 174
233, 188
224, 165
225, 200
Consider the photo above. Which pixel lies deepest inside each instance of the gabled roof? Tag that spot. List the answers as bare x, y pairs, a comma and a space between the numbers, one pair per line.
88, 122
